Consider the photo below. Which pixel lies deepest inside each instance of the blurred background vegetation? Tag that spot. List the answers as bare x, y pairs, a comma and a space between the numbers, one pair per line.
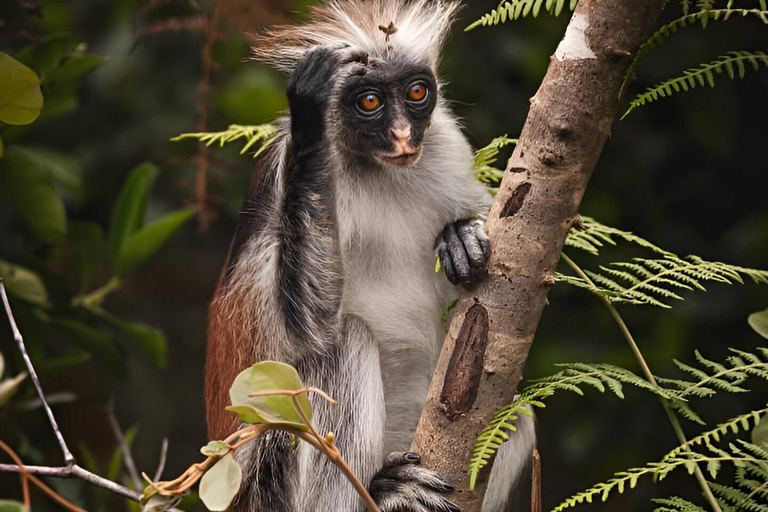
120, 78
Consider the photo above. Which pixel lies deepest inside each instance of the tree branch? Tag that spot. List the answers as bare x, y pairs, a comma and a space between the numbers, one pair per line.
546, 177
69, 459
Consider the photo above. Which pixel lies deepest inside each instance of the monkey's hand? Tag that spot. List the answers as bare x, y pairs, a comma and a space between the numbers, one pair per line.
463, 249
310, 87
404, 486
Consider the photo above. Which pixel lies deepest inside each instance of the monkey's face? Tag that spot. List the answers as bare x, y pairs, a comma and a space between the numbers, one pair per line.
384, 112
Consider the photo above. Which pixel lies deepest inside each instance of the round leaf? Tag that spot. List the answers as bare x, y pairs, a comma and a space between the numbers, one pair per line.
220, 484
215, 449
759, 322
270, 376
20, 95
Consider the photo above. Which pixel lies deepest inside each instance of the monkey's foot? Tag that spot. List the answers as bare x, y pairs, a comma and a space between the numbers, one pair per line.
404, 486
463, 250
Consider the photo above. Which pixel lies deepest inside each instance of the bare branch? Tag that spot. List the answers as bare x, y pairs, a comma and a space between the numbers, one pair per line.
163, 457
76, 471
69, 459
130, 465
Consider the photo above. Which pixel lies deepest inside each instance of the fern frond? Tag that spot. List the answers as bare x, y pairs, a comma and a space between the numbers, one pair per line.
659, 470
575, 377
742, 423
675, 504
516, 9
485, 157
715, 377
650, 281
263, 134
734, 63
589, 235
701, 16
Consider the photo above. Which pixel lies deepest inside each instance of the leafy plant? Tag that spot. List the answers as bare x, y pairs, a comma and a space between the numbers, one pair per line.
734, 63
267, 396
262, 134
516, 9
485, 172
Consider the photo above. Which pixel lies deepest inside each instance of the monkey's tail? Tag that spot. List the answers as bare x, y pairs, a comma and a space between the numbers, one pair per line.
509, 486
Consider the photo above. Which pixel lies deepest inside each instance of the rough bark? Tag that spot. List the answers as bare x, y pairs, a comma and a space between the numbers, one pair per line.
494, 325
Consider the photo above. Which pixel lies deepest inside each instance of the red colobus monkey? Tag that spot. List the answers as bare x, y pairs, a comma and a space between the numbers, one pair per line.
331, 269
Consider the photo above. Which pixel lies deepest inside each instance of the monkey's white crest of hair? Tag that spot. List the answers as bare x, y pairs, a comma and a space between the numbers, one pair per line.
421, 27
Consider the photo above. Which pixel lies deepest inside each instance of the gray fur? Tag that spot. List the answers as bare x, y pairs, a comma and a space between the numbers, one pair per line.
377, 260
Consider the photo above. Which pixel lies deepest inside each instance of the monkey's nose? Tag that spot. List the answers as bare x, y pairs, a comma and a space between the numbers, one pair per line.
401, 134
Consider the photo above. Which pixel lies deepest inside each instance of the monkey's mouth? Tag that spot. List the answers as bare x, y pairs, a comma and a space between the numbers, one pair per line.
402, 159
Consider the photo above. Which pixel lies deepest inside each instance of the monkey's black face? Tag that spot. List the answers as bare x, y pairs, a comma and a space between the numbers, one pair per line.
385, 111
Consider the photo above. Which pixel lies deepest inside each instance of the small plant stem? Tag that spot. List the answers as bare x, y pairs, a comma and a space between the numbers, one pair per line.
329, 449
130, 465
161, 464
22, 473
94, 299
69, 459
25, 475
649, 376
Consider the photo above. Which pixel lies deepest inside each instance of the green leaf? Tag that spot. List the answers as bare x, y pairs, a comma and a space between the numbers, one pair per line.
146, 242
62, 83
8, 387
130, 208
215, 449
12, 506
759, 322
88, 250
220, 484
20, 96
269, 376
28, 184
97, 343
23, 283
158, 503
2, 148
760, 433
45, 56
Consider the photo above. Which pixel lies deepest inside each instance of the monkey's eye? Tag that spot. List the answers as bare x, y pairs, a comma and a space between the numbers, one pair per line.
417, 92
369, 103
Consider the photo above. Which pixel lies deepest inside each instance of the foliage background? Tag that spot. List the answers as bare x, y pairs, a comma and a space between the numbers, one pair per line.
685, 173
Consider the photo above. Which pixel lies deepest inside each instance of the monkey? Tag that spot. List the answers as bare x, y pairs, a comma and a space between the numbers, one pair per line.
332, 266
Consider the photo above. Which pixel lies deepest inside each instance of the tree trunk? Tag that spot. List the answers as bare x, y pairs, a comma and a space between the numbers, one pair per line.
493, 327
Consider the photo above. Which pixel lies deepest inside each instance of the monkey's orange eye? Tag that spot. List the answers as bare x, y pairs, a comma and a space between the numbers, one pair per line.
369, 103
417, 92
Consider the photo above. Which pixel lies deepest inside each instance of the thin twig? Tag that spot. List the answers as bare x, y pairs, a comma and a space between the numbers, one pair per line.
130, 465
69, 459
76, 471
23, 473
650, 378
204, 86
163, 456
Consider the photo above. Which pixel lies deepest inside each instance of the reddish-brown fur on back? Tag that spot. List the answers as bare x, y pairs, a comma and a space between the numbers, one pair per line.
229, 348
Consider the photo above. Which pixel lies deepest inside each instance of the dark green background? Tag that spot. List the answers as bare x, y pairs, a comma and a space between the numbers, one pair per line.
688, 173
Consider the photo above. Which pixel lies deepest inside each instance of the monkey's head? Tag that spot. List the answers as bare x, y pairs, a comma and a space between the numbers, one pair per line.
384, 112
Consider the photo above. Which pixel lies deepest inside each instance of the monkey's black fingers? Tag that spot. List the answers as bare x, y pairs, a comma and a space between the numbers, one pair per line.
458, 254
472, 236
441, 248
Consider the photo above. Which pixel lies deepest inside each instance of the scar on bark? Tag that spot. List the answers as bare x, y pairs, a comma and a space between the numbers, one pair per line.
462, 378
515, 201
